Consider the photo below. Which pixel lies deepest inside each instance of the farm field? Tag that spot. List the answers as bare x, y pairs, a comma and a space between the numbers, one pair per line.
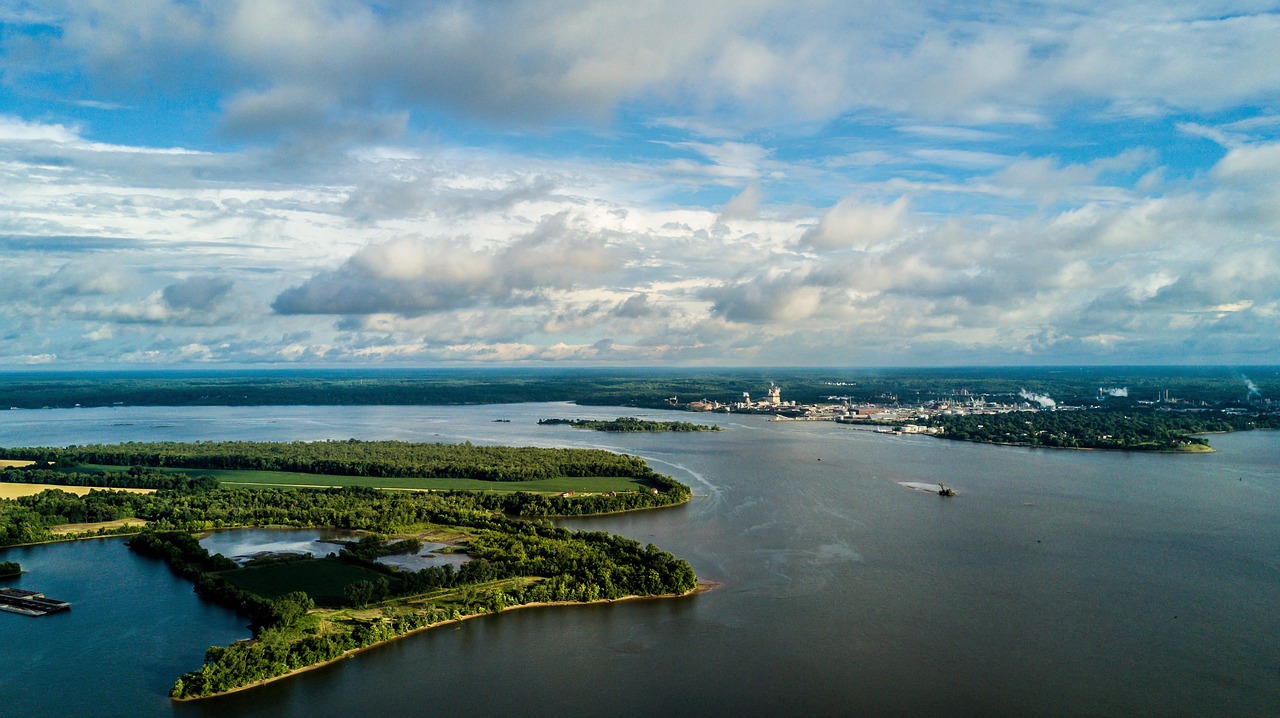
64, 529
13, 491
277, 479
323, 579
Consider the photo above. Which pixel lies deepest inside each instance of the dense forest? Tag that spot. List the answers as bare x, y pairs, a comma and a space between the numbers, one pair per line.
352, 458
1150, 430
135, 477
630, 424
639, 387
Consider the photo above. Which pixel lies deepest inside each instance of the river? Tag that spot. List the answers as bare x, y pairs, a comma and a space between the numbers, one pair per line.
1056, 583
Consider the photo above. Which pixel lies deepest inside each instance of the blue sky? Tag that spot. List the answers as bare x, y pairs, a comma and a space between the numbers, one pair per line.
701, 182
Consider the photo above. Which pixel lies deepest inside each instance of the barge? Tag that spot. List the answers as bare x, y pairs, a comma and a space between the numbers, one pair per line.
29, 603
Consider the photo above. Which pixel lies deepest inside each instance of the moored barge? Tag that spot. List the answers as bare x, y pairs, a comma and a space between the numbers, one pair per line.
29, 603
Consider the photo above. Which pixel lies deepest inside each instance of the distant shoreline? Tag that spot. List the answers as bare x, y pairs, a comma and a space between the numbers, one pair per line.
1203, 448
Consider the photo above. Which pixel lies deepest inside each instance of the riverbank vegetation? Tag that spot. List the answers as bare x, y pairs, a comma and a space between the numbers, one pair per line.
1149, 430
630, 424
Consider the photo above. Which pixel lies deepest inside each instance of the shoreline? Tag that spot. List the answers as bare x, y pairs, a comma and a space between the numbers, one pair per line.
702, 587
1206, 450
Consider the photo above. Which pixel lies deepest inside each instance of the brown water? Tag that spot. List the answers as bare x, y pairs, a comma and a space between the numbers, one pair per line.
1054, 584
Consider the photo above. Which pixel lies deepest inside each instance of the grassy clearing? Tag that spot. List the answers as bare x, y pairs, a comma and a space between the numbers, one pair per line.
64, 529
322, 579
275, 479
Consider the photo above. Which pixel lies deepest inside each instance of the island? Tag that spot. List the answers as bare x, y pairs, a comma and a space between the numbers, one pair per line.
9, 569
1143, 430
305, 610
630, 424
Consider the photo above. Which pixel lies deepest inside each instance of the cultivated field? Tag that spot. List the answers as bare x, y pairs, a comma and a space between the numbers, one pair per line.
13, 491
323, 579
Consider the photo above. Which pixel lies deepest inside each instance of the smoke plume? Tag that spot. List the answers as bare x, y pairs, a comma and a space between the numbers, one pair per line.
1044, 401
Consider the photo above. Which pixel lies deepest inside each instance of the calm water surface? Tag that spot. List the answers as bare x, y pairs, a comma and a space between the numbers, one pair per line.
1056, 584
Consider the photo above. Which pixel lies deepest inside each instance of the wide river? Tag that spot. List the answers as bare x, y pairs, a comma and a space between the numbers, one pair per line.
1057, 583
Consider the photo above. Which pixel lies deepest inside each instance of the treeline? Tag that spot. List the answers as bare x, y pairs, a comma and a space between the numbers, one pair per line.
353, 458
639, 388
669, 492
1149, 430
629, 424
136, 477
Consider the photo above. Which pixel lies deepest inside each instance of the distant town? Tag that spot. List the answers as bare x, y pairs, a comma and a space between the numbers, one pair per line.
891, 415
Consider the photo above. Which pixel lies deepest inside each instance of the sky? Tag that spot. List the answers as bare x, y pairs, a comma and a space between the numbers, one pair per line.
670, 183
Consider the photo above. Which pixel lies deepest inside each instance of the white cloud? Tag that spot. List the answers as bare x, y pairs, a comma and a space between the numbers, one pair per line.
854, 224
15, 129
760, 59
570, 180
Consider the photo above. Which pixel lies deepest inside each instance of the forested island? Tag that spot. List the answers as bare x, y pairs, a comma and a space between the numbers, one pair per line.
630, 424
9, 569
1148, 430
381, 459
305, 611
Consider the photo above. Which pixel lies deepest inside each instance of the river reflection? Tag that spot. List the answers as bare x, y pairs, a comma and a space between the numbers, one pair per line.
243, 545
426, 557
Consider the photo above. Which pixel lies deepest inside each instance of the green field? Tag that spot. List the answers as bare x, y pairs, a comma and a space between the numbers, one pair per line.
322, 579
251, 478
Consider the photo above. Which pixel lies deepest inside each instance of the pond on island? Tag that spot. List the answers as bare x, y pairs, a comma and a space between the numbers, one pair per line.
243, 545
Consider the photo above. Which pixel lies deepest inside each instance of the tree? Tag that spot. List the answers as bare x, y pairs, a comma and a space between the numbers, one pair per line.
360, 593
291, 607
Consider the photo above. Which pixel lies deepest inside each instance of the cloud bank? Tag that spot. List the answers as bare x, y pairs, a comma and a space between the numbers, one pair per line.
684, 183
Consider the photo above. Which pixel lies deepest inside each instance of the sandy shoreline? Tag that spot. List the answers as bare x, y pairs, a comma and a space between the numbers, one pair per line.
703, 587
